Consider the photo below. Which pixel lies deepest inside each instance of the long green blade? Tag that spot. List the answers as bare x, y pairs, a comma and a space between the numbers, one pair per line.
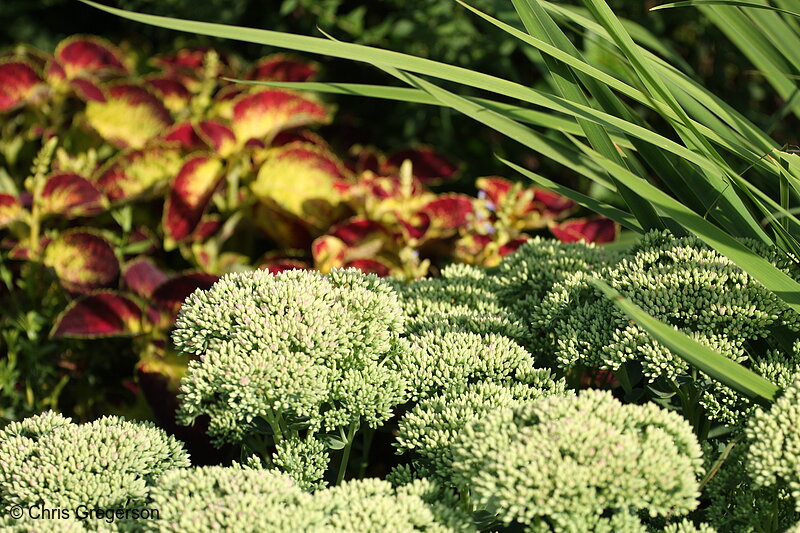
736, 3
704, 358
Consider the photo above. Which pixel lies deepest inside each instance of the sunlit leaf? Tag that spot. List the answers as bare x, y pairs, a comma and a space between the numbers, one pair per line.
83, 260
172, 93
101, 314
263, 114
79, 55
18, 83
10, 209
189, 194
130, 116
598, 230
138, 172
71, 195
303, 181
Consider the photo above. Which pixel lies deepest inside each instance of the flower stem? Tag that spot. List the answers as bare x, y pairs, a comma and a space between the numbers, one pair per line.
362, 467
346, 451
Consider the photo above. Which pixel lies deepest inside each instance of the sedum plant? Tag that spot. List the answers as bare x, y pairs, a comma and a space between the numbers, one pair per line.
110, 463
428, 431
217, 498
756, 487
293, 356
462, 298
686, 284
584, 462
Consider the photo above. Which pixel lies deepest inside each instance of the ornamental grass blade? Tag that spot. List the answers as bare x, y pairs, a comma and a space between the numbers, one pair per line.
537, 21
735, 3
705, 359
777, 62
770, 276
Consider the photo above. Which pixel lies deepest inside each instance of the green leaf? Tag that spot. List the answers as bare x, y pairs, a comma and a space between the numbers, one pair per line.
735, 3
334, 442
704, 358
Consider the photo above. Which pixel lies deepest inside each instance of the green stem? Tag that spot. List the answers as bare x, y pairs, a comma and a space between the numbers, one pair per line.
624, 380
362, 467
346, 451
274, 422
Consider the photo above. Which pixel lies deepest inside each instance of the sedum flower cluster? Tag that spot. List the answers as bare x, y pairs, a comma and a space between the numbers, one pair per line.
579, 463
251, 500
109, 463
428, 431
296, 345
757, 489
680, 281
462, 298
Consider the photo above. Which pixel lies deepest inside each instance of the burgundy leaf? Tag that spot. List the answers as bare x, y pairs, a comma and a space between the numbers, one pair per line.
427, 165
101, 314
142, 276
78, 55
18, 82
597, 230
171, 294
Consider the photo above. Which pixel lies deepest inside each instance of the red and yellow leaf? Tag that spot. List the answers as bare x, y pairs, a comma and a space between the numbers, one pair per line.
87, 90
305, 182
138, 172
494, 189
303, 136
329, 252
218, 136
353, 240
208, 226
189, 195
101, 314
597, 230
263, 114
173, 94
10, 209
18, 83
204, 135
281, 67
89, 55
82, 260
71, 195
415, 228
130, 116
448, 213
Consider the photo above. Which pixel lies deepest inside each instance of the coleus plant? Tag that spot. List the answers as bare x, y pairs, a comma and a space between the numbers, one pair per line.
165, 177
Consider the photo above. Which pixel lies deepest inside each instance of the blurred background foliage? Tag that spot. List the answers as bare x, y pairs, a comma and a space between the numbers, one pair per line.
437, 29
